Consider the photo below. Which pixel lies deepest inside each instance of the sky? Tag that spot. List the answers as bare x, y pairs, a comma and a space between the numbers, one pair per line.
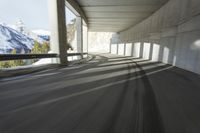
34, 13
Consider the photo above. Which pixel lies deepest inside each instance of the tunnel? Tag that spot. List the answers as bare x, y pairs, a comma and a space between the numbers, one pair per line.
148, 81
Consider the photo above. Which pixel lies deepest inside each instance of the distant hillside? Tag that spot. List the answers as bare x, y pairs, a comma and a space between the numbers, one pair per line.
11, 39
99, 41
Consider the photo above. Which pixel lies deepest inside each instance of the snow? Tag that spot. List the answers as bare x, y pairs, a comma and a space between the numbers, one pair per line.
44, 61
42, 32
12, 39
41, 35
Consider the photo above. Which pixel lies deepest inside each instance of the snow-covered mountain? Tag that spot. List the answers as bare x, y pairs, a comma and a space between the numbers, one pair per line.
40, 35
12, 39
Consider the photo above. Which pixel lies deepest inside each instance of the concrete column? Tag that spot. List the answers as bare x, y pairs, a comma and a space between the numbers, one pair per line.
87, 40
117, 49
58, 42
79, 27
87, 43
141, 49
110, 48
132, 49
151, 51
124, 49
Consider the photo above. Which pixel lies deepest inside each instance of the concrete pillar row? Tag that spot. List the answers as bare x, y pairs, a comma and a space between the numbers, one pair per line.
79, 27
58, 42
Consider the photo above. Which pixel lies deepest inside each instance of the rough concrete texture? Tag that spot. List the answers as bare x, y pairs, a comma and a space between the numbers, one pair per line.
117, 15
174, 33
108, 94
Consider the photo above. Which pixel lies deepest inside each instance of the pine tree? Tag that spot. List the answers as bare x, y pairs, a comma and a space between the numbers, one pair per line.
36, 49
15, 63
45, 48
4, 64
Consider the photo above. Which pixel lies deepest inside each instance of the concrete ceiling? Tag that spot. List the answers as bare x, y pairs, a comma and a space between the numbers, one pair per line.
117, 15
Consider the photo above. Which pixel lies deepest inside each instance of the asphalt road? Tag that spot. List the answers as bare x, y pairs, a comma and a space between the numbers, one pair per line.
110, 94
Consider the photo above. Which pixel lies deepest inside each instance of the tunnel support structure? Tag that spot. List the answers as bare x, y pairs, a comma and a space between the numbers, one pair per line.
132, 49
125, 49
79, 27
141, 49
58, 42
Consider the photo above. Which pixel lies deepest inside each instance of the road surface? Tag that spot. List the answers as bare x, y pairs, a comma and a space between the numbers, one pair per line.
109, 94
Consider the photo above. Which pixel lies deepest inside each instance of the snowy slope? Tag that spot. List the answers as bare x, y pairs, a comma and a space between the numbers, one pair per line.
41, 32
11, 39
42, 35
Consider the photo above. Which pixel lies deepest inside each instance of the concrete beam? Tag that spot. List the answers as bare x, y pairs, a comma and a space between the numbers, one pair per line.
120, 2
58, 42
76, 9
128, 12
131, 8
117, 14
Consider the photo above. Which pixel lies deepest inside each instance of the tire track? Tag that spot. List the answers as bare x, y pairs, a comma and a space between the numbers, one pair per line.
148, 116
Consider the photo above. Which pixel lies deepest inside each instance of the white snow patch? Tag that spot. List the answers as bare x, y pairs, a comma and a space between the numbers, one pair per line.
41, 32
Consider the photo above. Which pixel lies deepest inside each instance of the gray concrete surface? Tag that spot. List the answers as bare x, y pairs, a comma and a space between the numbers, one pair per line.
117, 15
79, 32
57, 20
109, 94
174, 32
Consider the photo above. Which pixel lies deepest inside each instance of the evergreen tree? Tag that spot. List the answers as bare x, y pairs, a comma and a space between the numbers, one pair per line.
45, 48
4, 64
15, 63
36, 49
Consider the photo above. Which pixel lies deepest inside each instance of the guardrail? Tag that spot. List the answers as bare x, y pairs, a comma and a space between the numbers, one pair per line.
7, 57
76, 54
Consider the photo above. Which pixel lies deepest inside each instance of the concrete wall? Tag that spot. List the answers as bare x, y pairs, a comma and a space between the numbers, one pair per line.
173, 33
136, 49
128, 50
121, 49
113, 48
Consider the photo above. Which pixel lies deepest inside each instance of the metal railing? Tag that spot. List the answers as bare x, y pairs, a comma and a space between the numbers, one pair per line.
7, 57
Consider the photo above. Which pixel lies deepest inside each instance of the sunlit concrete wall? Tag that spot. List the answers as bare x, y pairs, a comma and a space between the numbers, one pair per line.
128, 49
121, 48
136, 49
146, 50
114, 49
173, 33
